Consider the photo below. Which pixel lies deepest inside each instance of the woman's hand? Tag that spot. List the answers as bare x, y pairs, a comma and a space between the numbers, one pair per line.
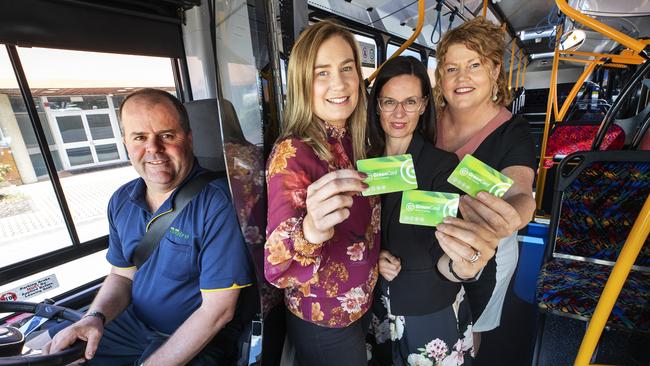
504, 216
491, 212
389, 265
328, 202
469, 245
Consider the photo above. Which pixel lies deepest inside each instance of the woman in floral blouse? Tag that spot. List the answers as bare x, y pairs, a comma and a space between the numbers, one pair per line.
322, 235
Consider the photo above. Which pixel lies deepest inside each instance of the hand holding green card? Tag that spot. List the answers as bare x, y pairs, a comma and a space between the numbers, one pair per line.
473, 176
388, 174
427, 208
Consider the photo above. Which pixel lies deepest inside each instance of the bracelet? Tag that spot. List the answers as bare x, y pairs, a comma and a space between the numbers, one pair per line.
456, 276
96, 314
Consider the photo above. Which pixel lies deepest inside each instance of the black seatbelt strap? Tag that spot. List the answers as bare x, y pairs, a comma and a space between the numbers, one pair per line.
157, 229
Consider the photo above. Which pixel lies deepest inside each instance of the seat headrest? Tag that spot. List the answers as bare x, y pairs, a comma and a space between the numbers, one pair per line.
206, 133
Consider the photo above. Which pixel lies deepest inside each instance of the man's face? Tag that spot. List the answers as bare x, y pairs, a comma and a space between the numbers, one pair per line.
160, 151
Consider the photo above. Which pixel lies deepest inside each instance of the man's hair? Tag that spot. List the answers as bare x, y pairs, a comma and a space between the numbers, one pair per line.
483, 37
401, 65
156, 96
299, 118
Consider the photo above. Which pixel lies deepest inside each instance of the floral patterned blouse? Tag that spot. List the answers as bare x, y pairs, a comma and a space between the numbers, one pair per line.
330, 283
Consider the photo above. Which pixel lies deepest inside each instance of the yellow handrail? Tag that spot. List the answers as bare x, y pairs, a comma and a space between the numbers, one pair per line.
523, 77
521, 53
621, 58
576, 88
599, 27
414, 36
512, 61
615, 282
485, 6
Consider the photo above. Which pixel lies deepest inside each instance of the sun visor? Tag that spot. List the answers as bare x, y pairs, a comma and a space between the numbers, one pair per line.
85, 26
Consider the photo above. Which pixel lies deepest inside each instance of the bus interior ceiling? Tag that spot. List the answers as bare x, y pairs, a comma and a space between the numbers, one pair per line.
236, 52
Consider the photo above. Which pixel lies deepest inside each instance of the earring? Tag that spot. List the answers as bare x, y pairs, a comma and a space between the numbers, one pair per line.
495, 93
443, 103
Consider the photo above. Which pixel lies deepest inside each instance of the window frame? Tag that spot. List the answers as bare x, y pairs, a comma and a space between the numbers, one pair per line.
16, 271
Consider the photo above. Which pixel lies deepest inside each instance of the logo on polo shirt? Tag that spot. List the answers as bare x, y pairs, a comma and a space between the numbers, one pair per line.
178, 233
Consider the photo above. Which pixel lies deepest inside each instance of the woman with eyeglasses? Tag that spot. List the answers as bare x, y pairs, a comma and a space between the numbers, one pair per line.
421, 316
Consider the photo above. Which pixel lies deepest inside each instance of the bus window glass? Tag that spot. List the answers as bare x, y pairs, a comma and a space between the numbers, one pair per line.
407, 52
247, 112
77, 95
431, 69
31, 222
368, 49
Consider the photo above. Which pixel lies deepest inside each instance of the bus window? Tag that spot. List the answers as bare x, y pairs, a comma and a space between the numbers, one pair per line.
22, 196
431, 69
407, 52
368, 48
77, 96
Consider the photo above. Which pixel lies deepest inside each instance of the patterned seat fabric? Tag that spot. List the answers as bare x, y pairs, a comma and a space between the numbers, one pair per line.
567, 139
573, 288
598, 210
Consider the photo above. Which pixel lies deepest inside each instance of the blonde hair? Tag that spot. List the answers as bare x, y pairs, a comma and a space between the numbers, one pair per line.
483, 37
299, 118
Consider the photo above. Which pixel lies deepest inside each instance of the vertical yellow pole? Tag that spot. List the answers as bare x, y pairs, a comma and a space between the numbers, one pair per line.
518, 69
523, 77
615, 283
512, 61
552, 98
485, 6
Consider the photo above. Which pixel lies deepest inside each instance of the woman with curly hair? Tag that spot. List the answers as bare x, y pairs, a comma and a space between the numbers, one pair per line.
470, 96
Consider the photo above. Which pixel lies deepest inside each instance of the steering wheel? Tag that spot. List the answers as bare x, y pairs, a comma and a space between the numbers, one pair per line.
75, 352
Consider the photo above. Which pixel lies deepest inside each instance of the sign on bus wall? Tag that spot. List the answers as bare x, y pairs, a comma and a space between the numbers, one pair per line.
30, 289
368, 54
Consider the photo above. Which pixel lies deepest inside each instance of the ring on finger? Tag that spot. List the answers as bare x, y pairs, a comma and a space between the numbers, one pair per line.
475, 257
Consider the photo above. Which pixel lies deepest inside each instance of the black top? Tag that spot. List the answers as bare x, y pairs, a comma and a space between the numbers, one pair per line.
419, 288
509, 145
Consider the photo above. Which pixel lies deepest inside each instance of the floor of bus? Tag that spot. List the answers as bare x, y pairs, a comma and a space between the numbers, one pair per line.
512, 343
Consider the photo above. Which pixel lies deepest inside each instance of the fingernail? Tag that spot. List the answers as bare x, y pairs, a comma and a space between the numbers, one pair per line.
364, 185
447, 220
363, 175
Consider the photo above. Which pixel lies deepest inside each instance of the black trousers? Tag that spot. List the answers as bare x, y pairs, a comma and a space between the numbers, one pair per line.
316, 345
128, 341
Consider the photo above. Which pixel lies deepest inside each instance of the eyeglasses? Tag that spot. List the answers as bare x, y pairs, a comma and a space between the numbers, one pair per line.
411, 104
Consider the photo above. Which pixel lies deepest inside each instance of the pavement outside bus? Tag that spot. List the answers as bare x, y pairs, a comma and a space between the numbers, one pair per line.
31, 221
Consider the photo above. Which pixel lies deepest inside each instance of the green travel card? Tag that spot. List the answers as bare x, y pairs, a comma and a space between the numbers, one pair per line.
388, 174
473, 176
427, 208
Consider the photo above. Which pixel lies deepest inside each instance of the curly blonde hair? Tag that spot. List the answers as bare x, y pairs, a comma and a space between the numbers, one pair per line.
483, 37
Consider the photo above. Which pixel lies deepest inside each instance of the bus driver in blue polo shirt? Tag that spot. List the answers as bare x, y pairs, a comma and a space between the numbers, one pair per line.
169, 310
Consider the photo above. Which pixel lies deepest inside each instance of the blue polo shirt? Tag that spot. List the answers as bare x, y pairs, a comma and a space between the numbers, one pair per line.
202, 251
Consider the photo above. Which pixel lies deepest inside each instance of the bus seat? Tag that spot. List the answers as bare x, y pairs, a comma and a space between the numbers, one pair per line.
598, 196
645, 141
206, 133
570, 137
235, 338
631, 125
